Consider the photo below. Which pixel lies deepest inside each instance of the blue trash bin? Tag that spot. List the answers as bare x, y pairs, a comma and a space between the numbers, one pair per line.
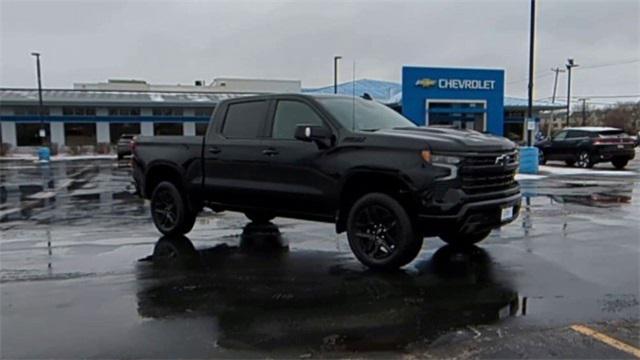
529, 160
44, 154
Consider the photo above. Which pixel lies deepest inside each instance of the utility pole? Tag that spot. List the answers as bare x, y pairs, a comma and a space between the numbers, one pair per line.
335, 73
531, 58
553, 97
42, 133
570, 64
555, 83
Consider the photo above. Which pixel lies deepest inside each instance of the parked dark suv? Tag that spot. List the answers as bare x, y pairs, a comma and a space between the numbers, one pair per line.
349, 161
586, 146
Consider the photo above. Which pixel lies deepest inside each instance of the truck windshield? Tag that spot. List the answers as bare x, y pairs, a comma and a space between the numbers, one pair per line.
364, 115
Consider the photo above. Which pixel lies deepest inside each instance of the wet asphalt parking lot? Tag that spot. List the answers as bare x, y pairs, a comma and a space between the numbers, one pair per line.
83, 273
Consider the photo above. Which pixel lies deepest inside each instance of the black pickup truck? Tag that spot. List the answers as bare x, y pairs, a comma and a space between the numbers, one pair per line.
349, 161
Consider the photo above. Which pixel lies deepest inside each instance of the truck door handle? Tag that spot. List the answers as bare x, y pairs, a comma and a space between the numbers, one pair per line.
214, 149
270, 152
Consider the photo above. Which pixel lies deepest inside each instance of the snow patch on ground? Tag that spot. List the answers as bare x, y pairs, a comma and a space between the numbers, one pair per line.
555, 170
520, 177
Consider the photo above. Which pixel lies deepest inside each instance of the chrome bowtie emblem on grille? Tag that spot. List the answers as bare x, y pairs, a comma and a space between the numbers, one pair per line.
502, 159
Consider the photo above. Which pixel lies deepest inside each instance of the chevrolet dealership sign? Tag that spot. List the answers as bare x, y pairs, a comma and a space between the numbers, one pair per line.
457, 84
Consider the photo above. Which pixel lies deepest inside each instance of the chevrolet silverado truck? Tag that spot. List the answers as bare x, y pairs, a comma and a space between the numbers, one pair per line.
344, 160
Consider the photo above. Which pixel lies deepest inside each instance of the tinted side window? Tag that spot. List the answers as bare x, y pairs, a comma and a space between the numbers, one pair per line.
560, 136
576, 134
244, 120
288, 115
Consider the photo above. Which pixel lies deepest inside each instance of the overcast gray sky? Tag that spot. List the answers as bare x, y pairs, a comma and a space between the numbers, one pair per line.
179, 41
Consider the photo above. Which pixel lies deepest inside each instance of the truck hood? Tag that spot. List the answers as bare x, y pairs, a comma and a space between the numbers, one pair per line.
452, 140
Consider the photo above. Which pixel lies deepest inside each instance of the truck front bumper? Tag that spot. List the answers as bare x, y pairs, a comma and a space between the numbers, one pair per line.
473, 216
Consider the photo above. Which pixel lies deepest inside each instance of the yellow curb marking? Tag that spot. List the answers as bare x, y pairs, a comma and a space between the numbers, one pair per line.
607, 340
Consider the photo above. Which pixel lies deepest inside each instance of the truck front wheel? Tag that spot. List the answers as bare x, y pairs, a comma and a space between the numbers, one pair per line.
381, 233
457, 238
169, 211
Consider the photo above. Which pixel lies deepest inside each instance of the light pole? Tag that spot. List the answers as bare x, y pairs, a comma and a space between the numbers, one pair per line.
335, 73
42, 132
532, 30
570, 64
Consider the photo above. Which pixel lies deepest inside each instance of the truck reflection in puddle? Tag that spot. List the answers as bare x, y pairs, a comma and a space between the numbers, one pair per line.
264, 296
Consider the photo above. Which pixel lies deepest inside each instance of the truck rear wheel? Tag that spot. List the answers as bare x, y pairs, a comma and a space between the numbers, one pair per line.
464, 239
169, 211
381, 233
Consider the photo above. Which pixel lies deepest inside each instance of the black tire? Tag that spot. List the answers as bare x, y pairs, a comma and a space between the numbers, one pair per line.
462, 239
259, 217
381, 233
541, 158
570, 163
620, 163
169, 211
584, 160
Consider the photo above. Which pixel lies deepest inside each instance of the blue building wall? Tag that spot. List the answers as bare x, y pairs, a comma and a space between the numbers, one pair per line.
422, 83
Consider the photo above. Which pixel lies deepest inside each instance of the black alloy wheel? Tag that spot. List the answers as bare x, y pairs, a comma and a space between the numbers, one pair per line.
169, 211
584, 160
376, 230
381, 234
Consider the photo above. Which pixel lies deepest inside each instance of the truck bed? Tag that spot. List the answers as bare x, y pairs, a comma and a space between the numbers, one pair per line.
179, 149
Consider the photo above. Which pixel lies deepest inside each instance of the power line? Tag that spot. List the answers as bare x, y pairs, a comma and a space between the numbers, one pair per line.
626, 62
609, 64
597, 96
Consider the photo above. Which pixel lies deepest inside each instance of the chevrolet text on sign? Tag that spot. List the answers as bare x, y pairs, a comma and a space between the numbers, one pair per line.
466, 84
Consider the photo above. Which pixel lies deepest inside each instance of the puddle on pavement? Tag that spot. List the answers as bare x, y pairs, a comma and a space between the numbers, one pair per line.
590, 193
62, 192
272, 298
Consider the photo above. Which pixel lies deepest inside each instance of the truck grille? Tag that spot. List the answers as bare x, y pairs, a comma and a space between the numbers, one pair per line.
483, 173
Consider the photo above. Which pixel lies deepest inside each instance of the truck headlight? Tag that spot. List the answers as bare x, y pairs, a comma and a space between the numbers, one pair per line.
445, 159
431, 158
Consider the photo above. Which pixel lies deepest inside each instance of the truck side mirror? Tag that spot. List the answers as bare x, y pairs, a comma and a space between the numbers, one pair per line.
313, 133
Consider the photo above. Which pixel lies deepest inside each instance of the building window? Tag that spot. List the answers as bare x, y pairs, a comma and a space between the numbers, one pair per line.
116, 130
203, 112
167, 129
201, 128
29, 134
124, 111
78, 111
79, 134
29, 111
167, 112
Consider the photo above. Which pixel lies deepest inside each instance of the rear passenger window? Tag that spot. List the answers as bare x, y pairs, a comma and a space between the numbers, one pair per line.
575, 134
288, 115
244, 120
560, 136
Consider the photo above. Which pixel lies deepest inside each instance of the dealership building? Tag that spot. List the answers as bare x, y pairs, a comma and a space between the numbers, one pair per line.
94, 114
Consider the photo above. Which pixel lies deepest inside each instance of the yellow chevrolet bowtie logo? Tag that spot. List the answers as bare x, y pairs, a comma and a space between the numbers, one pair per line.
426, 83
